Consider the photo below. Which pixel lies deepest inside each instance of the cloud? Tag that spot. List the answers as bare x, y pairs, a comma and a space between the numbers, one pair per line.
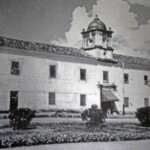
116, 15
141, 2
80, 20
143, 13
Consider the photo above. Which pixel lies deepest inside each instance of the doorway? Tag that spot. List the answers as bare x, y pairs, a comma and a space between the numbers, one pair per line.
13, 100
106, 106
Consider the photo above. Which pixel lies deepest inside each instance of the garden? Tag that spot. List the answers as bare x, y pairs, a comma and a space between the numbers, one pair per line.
36, 133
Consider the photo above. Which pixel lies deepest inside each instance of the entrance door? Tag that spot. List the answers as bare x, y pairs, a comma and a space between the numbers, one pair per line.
106, 106
109, 107
13, 100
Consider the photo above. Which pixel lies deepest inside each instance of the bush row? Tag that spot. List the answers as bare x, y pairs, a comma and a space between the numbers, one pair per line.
60, 110
4, 116
57, 116
47, 138
48, 116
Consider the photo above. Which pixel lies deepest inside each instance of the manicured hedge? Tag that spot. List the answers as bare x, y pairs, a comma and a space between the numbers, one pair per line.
69, 137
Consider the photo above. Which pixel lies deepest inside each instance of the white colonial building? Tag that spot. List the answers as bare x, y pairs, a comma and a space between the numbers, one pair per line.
43, 76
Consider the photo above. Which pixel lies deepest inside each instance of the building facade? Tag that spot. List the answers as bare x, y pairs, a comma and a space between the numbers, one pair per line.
44, 76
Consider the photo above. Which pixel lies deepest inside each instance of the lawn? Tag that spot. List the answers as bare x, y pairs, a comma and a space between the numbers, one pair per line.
68, 132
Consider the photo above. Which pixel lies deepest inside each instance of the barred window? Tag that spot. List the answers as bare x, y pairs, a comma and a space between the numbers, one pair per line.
51, 98
126, 78
126, 101
52, 71
105, 77
145, 80
82, 74
82, 100
15, 69
146, 102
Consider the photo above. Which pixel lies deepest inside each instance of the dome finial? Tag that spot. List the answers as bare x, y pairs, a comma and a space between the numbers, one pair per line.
96, 17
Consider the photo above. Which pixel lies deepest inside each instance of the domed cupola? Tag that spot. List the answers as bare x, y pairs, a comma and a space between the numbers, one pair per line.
97, 40
96, 24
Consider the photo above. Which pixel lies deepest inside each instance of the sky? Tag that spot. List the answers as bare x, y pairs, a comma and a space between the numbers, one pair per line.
60, 22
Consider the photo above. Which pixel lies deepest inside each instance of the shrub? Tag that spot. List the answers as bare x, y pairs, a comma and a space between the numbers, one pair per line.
59, 110
41, 116
5, 117
4, 111
21, 118
93, 116
143, 115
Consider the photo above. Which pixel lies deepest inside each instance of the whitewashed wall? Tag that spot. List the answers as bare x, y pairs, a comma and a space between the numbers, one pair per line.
34, 83
135, 90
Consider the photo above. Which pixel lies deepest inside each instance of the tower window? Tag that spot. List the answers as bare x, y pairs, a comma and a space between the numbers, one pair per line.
105, 77
145, 80
146, 102
52, 71
15, 70
82, 100
126, 78
51, 98
126, 101
82, 74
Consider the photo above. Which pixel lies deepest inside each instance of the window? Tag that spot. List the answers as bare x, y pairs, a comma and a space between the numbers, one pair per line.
145, 80
15, 68
82, 100
82, 74
51, 98
126, 78
146, 102
105, 77
126, 101
13, 100
52, 71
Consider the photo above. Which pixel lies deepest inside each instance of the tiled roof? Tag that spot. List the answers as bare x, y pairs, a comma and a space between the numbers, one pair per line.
130, 60
133, 62
8, 42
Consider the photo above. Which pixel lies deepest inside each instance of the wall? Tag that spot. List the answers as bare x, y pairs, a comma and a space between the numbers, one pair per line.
135, 89
34, 83
101, 53
115, 77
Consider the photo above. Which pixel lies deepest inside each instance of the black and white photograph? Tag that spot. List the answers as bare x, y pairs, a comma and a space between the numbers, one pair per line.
75, 74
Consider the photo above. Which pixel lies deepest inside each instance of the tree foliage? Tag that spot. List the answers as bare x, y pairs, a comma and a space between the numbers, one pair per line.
21, 118
143, 115
93, 116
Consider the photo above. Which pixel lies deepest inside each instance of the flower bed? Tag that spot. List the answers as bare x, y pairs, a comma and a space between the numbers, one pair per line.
46, 138
72, 132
